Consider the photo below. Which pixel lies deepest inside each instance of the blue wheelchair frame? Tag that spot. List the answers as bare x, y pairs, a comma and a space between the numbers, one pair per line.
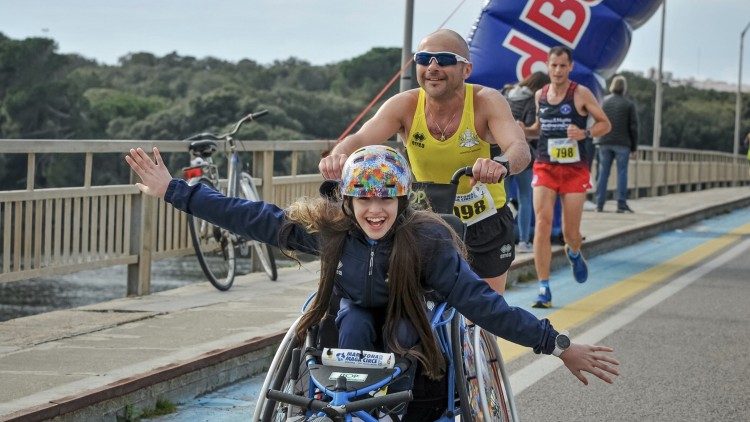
342, 405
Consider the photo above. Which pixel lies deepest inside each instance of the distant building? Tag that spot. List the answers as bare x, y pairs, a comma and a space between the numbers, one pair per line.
694, 83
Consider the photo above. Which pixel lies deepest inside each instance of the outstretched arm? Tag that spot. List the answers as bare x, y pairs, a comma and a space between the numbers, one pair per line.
154, 174
253, 219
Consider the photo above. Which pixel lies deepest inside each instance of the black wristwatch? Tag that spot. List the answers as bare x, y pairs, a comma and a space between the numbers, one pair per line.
587, 133
502, 159
562, 342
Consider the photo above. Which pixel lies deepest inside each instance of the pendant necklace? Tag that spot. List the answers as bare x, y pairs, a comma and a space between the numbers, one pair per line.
442, 131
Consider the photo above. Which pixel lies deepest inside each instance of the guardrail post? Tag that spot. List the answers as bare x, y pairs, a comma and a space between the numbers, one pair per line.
268, 195
142, 232
654, 187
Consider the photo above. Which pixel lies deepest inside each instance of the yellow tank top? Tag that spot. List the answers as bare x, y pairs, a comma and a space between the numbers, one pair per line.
432, 160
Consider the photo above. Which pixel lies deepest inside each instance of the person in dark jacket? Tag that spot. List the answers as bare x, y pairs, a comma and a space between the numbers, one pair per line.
523, 107
378, 255
618, 145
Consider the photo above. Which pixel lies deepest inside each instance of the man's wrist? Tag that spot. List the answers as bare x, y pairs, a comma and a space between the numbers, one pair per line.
503, 161
587, 133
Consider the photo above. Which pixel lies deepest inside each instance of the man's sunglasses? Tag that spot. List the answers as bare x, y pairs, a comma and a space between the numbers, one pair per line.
443, 58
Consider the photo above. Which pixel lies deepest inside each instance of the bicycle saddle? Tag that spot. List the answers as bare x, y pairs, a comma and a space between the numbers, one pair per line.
205, 148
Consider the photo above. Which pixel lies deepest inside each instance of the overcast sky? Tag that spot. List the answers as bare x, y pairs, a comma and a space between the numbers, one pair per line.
701, 41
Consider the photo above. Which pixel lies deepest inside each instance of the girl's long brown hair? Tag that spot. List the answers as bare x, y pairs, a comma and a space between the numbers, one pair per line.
405, 287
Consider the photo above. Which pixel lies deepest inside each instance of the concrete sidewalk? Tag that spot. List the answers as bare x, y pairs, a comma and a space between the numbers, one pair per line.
113, 360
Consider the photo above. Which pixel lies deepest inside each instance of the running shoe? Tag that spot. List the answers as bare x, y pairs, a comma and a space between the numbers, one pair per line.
580, 268
524, 247
624, 209
544, 299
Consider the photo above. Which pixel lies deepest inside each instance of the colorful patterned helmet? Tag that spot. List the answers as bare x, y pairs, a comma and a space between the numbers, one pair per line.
375, 171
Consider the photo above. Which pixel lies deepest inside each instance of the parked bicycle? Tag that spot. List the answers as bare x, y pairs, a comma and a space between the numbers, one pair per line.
217, 249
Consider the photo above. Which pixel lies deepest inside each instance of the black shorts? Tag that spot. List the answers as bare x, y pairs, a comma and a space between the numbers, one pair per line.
491, 244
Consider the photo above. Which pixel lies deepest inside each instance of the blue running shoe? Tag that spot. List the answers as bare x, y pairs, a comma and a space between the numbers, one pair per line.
578, 263
544, 299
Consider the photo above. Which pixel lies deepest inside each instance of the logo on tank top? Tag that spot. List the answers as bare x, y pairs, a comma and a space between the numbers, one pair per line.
565, 109
468, 139
418, 140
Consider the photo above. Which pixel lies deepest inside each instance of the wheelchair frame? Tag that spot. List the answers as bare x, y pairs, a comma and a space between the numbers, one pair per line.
479, 381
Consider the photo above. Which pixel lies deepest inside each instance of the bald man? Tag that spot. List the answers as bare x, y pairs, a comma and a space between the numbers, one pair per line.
447, 124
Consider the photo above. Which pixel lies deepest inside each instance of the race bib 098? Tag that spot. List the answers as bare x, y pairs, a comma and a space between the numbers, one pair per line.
475, 205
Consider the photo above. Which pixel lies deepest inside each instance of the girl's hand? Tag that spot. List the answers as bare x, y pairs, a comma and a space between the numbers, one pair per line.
596, 360
154, 175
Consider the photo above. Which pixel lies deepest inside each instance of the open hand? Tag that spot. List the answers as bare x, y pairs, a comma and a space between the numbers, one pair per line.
596, 360
154, 175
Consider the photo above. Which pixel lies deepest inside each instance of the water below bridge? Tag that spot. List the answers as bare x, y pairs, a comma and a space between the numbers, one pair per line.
44, 294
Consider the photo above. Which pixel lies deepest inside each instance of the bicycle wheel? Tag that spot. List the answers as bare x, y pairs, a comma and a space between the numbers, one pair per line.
214, 248
263, 251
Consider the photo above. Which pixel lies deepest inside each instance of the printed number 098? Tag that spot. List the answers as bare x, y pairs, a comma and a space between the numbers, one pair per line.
467, 211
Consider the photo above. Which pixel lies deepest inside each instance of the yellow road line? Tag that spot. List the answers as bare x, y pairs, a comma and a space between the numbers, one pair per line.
590, 306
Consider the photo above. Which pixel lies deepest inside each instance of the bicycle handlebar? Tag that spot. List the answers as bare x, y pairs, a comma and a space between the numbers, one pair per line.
207, 135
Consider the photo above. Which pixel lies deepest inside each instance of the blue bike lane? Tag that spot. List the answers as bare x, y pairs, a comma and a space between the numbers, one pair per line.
614, 277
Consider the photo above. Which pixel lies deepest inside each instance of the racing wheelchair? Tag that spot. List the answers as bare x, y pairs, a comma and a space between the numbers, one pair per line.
313, 380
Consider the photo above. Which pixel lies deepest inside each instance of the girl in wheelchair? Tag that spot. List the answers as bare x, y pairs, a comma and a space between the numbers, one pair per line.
378, 258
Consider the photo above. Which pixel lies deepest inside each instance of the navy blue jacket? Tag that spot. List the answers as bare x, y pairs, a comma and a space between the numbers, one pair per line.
362, 273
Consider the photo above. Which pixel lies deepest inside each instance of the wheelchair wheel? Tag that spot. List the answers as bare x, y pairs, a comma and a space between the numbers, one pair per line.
289, 376
286, 343
480, 379
462, 363
493, 397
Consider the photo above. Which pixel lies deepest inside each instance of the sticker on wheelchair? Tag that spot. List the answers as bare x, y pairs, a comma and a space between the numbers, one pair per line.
350, 376
563, 150
474, 206
350, 358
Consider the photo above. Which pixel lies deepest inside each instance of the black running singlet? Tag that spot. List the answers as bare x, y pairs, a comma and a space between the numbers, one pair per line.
553, 137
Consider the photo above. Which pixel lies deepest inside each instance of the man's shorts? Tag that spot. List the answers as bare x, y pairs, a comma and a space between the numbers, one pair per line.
490, 244
561, 178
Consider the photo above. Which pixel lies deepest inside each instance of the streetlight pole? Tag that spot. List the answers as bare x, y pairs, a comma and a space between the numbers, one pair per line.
405, 83
738, 105
657, 106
